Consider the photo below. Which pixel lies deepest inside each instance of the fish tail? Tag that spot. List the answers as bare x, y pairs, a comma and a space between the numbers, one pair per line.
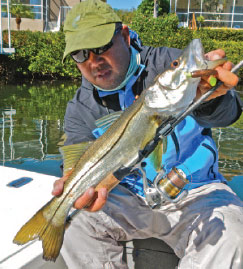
50, 234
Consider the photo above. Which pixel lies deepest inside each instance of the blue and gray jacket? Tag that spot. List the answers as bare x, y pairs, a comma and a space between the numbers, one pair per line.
190, 147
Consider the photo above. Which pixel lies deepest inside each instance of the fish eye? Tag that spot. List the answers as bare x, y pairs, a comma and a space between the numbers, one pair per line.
175, 63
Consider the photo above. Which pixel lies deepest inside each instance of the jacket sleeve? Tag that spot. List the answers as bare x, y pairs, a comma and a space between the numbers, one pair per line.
79, 121
219, 112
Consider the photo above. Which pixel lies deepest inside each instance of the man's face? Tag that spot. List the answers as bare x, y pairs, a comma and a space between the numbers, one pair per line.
109, 69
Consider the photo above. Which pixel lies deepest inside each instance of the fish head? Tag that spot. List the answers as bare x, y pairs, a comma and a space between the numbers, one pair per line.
175, 89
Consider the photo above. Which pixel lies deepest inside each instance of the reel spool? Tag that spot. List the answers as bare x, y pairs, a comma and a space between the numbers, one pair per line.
170, 186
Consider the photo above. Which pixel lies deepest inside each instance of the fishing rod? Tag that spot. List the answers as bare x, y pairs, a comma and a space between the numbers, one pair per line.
168, 126
166, 187
153, 193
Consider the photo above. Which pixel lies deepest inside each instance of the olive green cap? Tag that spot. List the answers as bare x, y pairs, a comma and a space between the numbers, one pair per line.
89, 24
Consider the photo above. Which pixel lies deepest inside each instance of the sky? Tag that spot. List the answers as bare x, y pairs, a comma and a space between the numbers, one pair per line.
124, 4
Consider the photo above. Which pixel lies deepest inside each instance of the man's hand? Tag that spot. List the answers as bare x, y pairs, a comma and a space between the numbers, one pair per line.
229, 79
91, 201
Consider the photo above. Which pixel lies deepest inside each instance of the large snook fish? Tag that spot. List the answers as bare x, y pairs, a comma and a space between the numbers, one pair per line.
172, 92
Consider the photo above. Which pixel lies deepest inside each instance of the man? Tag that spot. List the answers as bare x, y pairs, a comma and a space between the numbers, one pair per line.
204, 229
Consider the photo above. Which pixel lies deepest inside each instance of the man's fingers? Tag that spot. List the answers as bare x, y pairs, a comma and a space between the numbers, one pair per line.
58, 187
222, 90
228, 65
215, 55
92, 201
99, 202
229, 79
85, 199
204, 86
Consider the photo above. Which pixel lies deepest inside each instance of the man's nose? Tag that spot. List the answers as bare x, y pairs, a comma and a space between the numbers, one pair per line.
94, 58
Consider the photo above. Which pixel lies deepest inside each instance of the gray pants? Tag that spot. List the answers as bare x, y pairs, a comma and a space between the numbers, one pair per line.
205, 230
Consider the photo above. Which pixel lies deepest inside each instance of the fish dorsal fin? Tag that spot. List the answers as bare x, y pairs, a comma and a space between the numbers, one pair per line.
105, 122
72, 153
156, 156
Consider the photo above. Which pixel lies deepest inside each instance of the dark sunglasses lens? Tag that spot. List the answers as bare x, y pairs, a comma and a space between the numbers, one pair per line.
85, 54
80, 56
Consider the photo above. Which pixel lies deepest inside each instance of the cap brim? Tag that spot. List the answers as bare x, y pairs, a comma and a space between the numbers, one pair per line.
94, 37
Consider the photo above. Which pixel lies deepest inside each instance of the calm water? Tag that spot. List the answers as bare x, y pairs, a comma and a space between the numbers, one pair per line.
31, 125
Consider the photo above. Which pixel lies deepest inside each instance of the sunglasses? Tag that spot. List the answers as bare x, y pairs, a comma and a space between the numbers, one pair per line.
81, 56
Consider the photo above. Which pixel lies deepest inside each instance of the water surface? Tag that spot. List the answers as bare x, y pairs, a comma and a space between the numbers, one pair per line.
31, 125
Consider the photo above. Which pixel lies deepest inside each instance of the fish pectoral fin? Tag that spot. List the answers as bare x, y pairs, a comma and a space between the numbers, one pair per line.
39, 227
72, 153
156, 156
105, 122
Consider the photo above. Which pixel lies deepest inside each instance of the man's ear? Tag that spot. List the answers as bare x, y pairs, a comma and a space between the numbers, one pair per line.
125, 34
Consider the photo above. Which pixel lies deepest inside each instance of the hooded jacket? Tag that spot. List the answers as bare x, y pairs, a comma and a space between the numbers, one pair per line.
190, 147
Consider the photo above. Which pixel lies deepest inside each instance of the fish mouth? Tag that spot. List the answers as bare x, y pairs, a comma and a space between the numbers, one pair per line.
203, 67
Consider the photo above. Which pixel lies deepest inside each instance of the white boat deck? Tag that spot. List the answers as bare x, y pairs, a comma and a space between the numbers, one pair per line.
16, 210
17, 205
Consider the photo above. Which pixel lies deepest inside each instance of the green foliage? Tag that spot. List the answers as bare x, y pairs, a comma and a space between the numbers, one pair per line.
126, 15
18, 10
222, 34
239, 123
233, 49
38, 55
147, 7
155, 31
230, 40
200, 21
164, 31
